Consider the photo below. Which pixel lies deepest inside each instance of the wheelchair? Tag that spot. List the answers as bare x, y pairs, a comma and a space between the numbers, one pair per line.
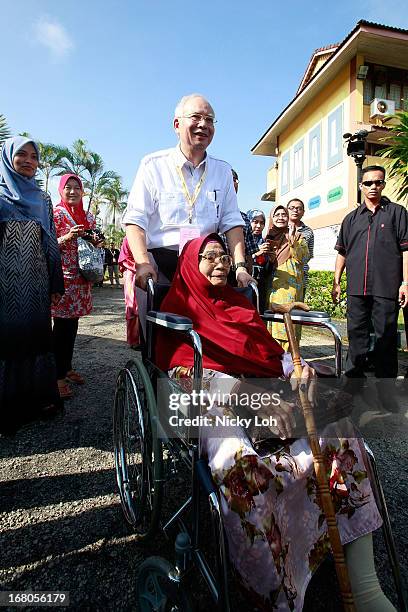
149, 457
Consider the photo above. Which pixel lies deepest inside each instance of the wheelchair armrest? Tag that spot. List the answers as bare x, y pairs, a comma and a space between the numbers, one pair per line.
169, 320
310, 316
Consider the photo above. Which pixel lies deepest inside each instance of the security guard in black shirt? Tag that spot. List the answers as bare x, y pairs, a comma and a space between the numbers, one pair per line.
373, 246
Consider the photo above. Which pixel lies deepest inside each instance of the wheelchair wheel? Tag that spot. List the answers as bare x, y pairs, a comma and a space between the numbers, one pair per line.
137, 449
157, 590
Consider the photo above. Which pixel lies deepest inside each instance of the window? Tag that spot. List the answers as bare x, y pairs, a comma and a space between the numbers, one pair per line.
387, 83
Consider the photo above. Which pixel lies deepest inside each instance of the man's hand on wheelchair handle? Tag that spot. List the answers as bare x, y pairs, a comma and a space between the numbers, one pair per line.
143, 272
243, 277
308, 381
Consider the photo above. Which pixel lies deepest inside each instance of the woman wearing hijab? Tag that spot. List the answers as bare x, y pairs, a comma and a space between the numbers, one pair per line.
261, 258
290, 254
257, 220
71, 221
128, 267
277, 535
30, 279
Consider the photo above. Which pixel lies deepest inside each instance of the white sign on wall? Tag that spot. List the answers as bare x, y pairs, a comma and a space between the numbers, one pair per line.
314, 151
298, 163
285, 173
334, 137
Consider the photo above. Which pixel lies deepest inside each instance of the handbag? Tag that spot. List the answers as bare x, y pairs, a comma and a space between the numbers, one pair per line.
90, 261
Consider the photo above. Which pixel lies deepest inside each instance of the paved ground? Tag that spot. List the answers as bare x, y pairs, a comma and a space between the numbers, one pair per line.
61, 526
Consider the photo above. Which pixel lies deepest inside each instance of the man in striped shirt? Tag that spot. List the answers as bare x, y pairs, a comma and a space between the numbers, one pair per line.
296, 210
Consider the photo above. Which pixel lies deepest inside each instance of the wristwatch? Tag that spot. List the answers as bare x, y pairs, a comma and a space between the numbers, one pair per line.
241, 264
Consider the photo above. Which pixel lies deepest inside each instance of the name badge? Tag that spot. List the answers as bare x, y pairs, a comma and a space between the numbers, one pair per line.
188, 232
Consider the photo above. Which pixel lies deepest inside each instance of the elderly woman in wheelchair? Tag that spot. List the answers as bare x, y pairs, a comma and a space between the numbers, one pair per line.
275, 529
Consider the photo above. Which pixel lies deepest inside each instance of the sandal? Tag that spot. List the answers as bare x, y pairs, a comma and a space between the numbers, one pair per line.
74, 377
65, 391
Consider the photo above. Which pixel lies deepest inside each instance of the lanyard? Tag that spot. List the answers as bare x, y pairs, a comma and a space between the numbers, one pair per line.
191, 199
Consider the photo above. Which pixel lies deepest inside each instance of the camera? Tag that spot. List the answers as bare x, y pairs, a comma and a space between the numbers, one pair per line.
93, 235
356, 143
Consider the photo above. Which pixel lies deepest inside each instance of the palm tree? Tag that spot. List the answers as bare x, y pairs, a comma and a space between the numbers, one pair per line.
97, 178
51, 157
4, 129
115, 196
396, 154
75, 159
115, 234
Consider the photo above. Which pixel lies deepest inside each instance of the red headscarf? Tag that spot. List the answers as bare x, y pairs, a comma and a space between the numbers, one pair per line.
76, 212
234, 338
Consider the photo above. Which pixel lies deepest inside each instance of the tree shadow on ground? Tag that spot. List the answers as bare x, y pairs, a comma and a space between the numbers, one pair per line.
87, 417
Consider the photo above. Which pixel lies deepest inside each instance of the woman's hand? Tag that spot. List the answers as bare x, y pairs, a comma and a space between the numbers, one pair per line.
74, 232
283, 415
264, 249
306, 383
55, 298
292, 234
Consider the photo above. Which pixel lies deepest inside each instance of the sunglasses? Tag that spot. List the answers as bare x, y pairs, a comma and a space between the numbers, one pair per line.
377, 183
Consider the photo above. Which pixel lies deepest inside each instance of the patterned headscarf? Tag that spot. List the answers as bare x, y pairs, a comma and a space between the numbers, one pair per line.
20, 197
251, 214
255, 212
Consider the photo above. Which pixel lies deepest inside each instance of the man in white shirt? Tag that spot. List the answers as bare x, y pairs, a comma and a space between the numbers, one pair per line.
182, 193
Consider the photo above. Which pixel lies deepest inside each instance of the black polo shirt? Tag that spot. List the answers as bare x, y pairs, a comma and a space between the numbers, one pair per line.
372, 244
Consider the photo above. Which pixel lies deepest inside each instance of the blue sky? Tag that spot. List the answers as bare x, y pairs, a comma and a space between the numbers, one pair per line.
112, 71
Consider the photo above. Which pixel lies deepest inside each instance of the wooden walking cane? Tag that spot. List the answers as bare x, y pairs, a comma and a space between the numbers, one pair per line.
323, 487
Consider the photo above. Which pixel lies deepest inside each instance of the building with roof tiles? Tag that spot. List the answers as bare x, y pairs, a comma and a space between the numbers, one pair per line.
355, 85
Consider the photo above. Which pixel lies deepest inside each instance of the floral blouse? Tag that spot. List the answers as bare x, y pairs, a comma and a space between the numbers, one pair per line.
77, 300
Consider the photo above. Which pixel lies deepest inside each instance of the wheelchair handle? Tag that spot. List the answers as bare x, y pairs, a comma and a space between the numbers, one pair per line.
150, 285
255, 289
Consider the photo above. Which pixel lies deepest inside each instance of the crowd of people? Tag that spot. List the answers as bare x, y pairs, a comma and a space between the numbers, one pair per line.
183, 225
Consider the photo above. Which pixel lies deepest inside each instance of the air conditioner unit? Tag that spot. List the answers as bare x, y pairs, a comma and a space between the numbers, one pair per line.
381, 108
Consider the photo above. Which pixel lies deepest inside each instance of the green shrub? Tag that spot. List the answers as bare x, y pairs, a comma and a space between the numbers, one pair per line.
318, 293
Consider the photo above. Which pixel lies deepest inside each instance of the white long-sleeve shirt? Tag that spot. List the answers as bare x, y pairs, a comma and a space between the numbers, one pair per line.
157, 201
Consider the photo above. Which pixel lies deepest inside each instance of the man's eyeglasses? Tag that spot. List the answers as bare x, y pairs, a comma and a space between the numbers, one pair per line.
213, 257
377, 183
196, 118
295, 208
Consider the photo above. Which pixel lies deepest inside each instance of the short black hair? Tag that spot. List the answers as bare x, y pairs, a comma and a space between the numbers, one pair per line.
234, 174
296, 200
372, 169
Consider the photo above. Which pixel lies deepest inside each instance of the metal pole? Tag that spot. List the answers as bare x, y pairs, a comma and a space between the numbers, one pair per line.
359, 165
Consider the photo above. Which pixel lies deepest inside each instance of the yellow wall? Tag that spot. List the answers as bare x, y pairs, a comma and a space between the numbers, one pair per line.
271, 179
335, 93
